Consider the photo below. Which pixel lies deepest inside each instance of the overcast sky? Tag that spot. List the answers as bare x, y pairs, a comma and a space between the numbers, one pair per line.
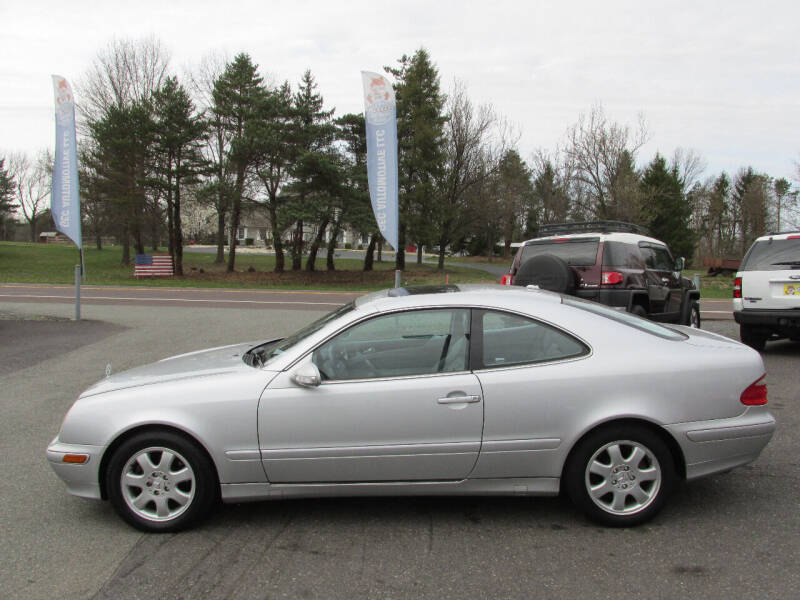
722, 78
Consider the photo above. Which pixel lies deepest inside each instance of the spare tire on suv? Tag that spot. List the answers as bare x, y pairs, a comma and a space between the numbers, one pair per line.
547, 272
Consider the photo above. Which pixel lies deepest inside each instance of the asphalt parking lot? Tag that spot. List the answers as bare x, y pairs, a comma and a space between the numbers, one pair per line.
732, 535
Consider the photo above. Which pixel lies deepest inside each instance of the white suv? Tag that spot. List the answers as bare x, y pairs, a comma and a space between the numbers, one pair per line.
766, 291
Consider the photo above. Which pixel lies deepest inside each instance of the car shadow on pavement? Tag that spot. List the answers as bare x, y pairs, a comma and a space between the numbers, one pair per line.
28, 342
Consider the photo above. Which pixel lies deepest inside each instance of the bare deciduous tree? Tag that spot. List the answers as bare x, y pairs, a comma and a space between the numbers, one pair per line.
124, 72
596, 149
474, 142
32, 182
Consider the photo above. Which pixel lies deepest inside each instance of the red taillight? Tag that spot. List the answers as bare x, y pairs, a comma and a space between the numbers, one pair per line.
611, 278
560, 240
506, 280
793, 237
737, 287
756, 393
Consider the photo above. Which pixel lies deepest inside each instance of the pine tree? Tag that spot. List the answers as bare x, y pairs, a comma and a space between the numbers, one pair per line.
667, 210
237, 94
272, 131
7, 206
121, 146
313, 168
178, 132
420, 133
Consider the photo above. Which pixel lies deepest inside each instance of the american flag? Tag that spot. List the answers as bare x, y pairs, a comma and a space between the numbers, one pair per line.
152, 265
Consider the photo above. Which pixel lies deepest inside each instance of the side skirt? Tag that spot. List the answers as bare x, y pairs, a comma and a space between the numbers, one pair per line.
533, 486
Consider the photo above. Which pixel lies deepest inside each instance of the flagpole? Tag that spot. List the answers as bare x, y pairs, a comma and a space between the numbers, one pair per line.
83, 266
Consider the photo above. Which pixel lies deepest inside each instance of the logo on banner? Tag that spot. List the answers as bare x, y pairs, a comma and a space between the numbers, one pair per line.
379, 106
63, 100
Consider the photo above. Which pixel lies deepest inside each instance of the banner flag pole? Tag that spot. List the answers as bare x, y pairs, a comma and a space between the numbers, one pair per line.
380, 117
64, 199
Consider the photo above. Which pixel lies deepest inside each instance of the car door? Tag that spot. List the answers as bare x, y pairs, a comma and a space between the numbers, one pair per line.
663, 282
528, 373
397, 402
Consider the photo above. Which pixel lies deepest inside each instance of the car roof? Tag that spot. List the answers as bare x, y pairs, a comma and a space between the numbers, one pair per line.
494, 295
629, 238
783, 235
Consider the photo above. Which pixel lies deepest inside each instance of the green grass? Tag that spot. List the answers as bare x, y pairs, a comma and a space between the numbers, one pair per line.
720, 286
43, 263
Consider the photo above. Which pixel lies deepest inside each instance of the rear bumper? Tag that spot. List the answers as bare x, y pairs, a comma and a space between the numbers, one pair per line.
770, 318
81, 479
715, 446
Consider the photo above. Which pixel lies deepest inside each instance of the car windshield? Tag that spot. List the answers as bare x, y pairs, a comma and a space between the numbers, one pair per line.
772, 255
626, 318
263, 354
581, 252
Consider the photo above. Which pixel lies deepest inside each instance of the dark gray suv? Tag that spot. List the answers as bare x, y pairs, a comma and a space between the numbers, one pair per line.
614, 263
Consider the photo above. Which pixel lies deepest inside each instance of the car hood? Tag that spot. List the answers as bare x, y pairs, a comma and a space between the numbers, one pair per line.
203, 363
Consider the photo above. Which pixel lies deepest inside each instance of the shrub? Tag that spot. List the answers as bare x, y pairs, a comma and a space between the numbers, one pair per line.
249, 241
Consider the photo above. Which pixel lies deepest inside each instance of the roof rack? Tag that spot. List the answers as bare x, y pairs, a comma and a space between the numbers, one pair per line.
591, 227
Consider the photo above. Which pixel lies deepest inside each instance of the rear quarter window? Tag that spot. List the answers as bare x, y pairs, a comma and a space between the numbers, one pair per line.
772, 255
622, 255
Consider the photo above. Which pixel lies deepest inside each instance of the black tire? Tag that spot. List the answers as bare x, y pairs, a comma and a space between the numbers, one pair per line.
198, 494
639, 311
634, 476
548, 272
694, 316
751, 338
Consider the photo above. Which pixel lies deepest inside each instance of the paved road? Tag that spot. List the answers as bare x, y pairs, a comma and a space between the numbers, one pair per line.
226, 298
184, 297
732, 535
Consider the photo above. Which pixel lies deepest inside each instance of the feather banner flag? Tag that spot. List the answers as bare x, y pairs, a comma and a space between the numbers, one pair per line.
380, 114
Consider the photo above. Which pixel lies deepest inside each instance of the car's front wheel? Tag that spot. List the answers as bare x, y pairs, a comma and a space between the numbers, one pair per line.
620, 475
160, 481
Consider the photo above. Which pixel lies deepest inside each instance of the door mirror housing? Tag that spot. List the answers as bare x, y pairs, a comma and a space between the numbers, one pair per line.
307, 375
680, 264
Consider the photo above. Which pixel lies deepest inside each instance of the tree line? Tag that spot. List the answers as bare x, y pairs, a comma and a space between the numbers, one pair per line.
154, 145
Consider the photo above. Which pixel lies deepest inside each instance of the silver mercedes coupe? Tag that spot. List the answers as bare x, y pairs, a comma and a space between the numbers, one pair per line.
416, 391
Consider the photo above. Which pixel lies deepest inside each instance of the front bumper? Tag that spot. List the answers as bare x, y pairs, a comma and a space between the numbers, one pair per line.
721, 444
81, 479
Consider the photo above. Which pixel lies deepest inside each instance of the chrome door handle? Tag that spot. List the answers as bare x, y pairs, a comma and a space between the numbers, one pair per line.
459, 399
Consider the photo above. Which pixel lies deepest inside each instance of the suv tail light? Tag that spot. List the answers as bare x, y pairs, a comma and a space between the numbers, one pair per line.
611, 278
737, 287
756, 393
507, 280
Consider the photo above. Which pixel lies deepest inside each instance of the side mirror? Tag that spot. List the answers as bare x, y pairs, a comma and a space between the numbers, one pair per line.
680, 264
307, 375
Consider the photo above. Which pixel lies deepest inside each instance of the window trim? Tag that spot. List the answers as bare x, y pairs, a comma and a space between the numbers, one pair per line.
476, 342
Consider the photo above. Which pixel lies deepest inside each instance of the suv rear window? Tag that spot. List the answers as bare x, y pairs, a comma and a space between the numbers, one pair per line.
579, 252
772, 255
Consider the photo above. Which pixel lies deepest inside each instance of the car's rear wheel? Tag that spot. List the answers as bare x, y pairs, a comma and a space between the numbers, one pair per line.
160, 481
752, 338
620, 475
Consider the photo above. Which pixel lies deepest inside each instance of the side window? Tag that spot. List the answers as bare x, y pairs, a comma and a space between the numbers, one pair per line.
419, 342
514, 340
657, 258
